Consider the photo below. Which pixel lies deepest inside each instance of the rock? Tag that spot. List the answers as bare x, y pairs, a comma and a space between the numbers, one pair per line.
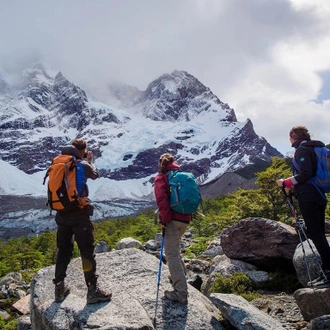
152, 245
128, 242
22, 306
101, 247
196, 281
132, 275
299, 262
268, 244
313, 303
226, 267
198, 266
24, 323
320, 323
4, 315
213, 249
257, 276
282, 307
10, 278
242, 314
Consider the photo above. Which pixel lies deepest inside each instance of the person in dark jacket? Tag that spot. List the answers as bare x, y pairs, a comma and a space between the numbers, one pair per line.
175, 224
312, 203
76, 225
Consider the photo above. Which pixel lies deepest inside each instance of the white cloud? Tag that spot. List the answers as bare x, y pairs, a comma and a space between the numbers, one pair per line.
264, 58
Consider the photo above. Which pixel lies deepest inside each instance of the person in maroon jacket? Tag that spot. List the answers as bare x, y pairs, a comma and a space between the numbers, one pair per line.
175, 224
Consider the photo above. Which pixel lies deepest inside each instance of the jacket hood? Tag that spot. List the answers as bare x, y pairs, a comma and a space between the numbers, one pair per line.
71, 150
311, 143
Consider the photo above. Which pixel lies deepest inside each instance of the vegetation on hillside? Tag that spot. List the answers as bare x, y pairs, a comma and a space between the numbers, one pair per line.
28, 255
33, 253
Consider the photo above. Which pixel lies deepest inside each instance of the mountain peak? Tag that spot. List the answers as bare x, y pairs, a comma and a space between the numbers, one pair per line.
180, 96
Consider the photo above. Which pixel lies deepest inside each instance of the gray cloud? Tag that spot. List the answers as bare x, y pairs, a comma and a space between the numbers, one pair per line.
96, 42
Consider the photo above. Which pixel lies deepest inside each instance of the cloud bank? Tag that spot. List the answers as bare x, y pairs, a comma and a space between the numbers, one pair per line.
269, 60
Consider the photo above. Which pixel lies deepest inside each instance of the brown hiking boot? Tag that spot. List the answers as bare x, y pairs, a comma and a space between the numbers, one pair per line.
176, 296
61, 291
95, 294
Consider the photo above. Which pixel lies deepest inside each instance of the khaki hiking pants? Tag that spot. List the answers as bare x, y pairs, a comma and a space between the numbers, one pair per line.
174, 231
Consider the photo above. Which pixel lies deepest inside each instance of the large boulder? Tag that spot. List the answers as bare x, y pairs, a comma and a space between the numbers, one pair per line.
265, 243
313, 303
132, 276
305, 256
242, 314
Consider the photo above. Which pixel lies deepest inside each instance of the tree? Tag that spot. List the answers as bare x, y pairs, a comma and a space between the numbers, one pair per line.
266, 180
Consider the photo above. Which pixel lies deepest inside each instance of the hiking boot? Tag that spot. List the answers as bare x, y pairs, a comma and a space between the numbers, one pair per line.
320, 282
176, 296
61, 291
95, 294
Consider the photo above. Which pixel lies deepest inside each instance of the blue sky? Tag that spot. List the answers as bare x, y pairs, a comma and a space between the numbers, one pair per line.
269, 60
324, 93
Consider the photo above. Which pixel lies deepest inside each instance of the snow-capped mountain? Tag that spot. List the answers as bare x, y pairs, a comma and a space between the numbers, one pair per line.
176, 113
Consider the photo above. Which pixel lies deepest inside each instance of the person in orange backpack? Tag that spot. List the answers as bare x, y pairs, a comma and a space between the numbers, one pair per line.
76, 225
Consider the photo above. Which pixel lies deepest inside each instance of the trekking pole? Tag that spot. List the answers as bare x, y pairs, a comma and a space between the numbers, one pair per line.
159, 272
299, 230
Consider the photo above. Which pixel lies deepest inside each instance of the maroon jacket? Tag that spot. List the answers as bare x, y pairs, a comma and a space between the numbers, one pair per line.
162, 194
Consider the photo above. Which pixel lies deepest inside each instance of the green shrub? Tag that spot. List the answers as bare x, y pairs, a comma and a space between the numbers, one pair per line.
239, 284
196, 248
10, 324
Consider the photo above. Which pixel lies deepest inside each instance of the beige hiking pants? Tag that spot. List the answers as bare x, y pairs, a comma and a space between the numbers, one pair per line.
174, 231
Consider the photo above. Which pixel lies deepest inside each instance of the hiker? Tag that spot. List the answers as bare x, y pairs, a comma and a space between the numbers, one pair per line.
76, 225
175, 225
311, 202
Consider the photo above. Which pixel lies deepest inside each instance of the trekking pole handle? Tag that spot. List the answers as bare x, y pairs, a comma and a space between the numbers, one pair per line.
291, 205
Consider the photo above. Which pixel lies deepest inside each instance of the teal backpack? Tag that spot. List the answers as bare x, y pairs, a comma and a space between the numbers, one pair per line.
184, 192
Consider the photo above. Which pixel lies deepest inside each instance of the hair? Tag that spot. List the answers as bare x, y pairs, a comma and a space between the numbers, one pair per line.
79, 144
164, 160
300, 133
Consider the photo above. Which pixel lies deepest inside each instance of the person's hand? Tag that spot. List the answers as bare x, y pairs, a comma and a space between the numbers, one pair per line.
287, 189
90, 156
280, 182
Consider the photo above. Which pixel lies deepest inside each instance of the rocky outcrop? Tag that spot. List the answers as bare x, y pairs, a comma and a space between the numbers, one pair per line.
262, 242
132, 276
313, 261
313, 303
242, 314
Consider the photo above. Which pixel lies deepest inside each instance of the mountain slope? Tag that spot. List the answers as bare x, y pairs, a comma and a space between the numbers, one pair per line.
176, 113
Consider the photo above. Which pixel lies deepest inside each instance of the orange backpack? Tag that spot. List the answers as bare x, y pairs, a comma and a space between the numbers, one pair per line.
62, 190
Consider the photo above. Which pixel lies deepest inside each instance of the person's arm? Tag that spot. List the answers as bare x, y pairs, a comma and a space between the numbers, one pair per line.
303, 158
162, 198
90, 170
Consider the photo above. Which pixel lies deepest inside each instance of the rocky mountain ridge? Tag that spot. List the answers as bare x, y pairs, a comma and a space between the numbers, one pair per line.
46, 111
43, 110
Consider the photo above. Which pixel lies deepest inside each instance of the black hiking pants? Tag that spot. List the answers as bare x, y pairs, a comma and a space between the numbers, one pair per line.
76, 226
312, 207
